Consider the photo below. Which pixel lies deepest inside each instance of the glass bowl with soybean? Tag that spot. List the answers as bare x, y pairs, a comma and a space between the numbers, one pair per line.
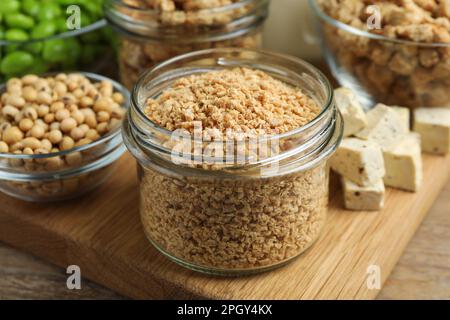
38, 36
60, 134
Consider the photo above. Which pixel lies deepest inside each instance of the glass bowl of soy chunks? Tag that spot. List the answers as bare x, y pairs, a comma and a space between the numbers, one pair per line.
38, 36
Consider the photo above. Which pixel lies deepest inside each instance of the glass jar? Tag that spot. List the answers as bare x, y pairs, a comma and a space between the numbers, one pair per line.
246, 215
148, 36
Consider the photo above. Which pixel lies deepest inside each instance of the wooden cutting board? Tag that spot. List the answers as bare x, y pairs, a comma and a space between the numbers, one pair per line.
102, 234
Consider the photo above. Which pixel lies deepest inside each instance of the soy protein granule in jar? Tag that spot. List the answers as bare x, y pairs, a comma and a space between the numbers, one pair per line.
240, 99
226, 223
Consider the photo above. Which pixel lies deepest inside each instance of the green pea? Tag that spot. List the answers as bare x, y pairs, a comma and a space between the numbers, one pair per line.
110, 37
70, 2
9, 6
54, 50
65, 2
31, 7
34, 47
85, 20
69, 65
16, 35
49, 11
16, 62
10, 48
39, 66
43, 29
73, 48
90, 52
93, 8
61, 24
19, 20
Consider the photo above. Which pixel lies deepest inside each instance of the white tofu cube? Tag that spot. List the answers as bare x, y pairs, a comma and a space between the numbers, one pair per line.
359, 161
368, 198
433, 125
354, 116
403, 163
405, 116
384, 126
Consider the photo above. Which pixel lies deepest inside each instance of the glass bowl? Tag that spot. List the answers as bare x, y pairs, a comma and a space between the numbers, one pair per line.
65, 174
87, 49
387, 70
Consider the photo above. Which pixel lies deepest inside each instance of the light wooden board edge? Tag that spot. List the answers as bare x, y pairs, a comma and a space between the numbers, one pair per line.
108, 271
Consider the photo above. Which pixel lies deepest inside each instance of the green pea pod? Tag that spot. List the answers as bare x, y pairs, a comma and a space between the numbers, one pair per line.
16, 35
19, 20
16, 62
43, 29
49, 11
31, 7
54, 51
9, 6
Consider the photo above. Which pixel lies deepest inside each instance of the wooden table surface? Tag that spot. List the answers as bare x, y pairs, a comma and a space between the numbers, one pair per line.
423, 271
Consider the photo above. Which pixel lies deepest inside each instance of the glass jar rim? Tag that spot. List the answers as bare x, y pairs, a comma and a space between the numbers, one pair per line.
362, 33
326, 126
64, 35
323, 79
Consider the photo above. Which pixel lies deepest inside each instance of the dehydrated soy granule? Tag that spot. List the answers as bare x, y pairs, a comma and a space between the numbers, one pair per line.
239, 99
234, 224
